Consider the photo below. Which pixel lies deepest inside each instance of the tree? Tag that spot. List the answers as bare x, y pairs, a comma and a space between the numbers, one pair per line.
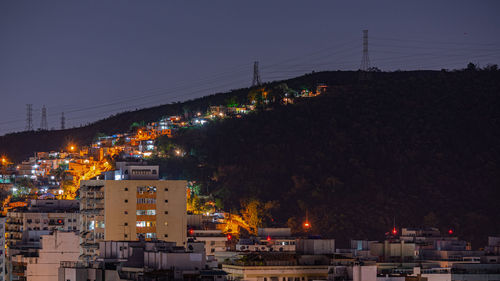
491, 67
252, 213
471, 67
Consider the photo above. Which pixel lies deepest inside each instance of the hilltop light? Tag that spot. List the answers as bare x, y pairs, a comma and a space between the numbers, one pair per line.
394, 231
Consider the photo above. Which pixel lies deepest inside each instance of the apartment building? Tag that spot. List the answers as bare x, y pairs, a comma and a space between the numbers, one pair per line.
140, 207
2, 248
25, 225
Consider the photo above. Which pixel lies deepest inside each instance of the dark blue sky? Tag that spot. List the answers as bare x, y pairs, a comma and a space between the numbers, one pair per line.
94, 58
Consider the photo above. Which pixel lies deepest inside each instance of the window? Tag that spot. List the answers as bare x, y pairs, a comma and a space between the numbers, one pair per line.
146, 212
126, 224
146, 201
126, 235
166, 201
166, 189
166, 212
126, 200
126, 188
166, 235
126, 213
145, 223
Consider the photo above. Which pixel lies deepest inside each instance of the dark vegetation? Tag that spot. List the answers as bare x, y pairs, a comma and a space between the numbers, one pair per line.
421, 147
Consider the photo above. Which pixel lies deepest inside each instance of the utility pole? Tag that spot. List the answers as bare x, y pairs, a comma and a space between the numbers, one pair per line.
29, 117
43, 123
63, 121
256, 75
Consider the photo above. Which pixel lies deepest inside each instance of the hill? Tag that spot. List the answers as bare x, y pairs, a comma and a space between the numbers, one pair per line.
422, 148
419, 147
19, 146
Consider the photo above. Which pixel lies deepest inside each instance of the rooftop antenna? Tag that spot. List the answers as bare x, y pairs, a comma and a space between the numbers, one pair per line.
256, 75
394, 230
307, 224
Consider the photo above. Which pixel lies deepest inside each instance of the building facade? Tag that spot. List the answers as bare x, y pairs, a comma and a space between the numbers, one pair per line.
129, 210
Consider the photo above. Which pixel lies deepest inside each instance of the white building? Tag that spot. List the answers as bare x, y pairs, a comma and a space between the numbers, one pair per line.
60, 246
2, 248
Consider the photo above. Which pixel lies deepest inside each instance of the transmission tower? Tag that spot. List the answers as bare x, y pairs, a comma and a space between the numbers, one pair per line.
43, 123
29, 117
63, 121
256, 75
365, 60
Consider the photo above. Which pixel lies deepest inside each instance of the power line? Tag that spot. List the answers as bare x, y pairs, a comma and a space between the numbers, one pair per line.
43, 123
365, 59
29, 117
256, 75
63, 121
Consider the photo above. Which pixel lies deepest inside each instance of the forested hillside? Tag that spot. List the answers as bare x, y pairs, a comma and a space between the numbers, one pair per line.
422, 148
19, 146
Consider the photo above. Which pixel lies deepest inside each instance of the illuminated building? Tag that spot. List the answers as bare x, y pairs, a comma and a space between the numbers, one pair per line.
2, 248
140, 206
26, 225
141, 260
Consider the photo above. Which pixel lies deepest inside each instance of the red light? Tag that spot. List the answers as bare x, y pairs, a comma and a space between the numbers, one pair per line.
268, 238
394, 231
229, 237
191, 232
450, 231
307, 224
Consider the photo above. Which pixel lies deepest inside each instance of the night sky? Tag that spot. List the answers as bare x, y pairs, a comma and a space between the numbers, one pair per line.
94, 58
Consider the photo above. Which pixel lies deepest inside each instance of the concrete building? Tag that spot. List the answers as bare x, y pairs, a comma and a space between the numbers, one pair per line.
2, 248
316, 246
352, 272
140, 260
214, 240
276, 273
268, 240
57, 247
132, 209
25, 225
396, 250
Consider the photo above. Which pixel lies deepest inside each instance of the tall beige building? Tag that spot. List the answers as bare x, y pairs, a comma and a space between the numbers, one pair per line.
131, 209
